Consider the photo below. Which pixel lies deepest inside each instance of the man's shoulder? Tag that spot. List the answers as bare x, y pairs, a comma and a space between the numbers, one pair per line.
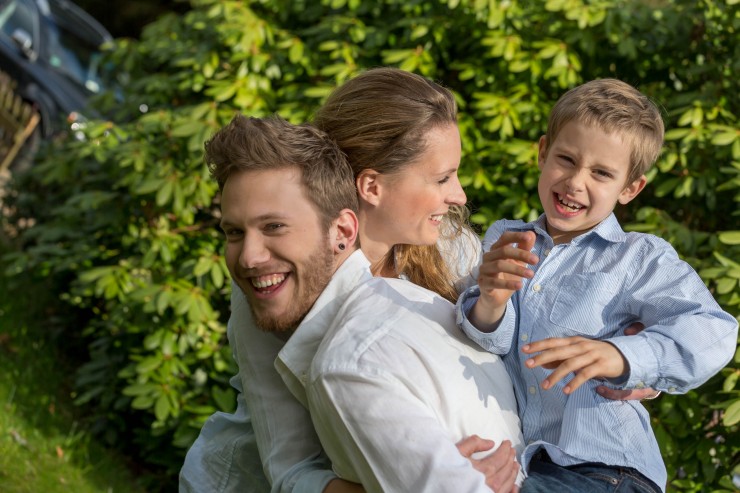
391, 298
383, 311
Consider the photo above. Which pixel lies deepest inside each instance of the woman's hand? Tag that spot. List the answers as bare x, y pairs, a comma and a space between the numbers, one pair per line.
500, 468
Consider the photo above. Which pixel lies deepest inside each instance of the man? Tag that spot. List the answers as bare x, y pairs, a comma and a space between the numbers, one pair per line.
389, 381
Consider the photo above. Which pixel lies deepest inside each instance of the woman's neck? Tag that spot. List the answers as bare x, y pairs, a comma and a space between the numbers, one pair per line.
376, 250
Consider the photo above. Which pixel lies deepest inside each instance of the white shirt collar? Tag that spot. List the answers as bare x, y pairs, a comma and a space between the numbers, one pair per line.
299, 351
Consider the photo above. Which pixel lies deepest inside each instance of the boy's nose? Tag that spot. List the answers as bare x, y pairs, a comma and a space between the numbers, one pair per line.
574, 183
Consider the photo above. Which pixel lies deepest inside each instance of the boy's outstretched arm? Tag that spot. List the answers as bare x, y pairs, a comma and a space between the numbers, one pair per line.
501, 273
586, 358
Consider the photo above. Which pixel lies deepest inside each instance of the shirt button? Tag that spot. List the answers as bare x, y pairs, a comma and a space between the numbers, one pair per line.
640, 385
303, 378
532, 390
671, 389
525, 337
536, 288
546, 252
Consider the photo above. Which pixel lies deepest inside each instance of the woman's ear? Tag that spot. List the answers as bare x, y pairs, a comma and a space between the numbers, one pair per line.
631, 190
368, 186
343, 232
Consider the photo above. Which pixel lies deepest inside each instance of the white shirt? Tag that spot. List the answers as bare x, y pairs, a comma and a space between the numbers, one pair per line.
392, 384
276, 423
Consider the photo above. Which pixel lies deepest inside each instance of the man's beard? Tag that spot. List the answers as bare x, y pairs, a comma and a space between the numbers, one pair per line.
318, 270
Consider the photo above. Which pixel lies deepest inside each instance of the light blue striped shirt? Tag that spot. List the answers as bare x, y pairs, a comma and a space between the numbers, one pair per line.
596, 286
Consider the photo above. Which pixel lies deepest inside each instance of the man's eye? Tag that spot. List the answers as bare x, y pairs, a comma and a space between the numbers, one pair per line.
274, 227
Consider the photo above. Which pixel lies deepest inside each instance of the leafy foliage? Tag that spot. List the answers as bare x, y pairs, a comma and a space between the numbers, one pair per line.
124, 221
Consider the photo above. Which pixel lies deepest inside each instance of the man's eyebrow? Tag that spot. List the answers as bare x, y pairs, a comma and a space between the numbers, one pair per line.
272, 216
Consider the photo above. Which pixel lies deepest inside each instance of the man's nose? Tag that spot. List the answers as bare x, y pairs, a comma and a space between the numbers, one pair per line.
254, 252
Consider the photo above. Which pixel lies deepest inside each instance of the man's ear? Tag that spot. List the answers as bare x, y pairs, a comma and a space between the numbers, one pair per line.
542, 152
343, 232
368, 186
631, 190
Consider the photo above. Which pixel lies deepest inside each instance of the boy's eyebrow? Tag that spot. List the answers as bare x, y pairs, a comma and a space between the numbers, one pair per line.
606, 167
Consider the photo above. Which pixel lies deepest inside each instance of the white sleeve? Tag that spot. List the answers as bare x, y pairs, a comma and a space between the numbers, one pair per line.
291, 454
376, 426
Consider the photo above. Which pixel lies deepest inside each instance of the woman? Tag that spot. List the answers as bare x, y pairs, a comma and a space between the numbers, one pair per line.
399, 132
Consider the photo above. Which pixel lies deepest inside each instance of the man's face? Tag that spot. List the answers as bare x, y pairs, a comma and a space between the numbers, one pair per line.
583, 177
276, 249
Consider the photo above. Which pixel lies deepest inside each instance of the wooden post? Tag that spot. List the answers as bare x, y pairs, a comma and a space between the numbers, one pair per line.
18, 120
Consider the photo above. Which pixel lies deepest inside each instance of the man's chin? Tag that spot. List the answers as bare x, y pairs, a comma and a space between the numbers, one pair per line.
276, 325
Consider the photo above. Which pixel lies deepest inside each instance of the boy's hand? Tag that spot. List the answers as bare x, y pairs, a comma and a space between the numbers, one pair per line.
501, 273
584, 357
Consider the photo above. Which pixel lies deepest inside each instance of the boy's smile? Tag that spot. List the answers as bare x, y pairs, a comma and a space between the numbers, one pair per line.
583, 176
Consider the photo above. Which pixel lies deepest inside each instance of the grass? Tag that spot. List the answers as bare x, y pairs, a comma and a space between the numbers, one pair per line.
43, 442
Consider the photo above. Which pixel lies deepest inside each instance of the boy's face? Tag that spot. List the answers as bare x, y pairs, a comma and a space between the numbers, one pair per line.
583, 176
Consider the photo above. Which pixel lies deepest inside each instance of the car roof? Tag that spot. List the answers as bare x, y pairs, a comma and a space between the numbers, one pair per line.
72, 18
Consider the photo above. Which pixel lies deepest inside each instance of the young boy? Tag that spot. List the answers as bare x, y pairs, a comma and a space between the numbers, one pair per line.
553, 294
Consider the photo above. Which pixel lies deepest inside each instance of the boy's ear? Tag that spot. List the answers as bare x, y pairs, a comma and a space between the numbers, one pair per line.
542, 152
631, 190
368, 186
343, 231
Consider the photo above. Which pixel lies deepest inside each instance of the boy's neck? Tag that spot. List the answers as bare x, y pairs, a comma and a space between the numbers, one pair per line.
562, 237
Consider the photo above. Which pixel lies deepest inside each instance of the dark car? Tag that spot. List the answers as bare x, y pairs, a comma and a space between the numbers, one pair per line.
52, 49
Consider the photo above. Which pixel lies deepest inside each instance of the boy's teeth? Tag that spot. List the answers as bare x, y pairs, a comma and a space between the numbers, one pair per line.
572, 205
267, 281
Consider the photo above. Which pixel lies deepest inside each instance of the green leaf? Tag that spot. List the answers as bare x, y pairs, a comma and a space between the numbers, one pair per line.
731, 381
730, 237
162, 407
147, 365
726, 285
732, 414
187, 129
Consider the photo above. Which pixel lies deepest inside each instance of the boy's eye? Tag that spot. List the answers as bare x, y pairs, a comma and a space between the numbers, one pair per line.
603, 173
567, 160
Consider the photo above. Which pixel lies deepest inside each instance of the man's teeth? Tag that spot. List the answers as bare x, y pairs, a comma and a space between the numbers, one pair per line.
267, 281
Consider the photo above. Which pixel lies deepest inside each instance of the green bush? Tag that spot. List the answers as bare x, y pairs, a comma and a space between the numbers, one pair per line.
125, 221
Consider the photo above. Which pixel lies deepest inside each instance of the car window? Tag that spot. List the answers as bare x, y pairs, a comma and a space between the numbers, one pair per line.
18, 14
75, 58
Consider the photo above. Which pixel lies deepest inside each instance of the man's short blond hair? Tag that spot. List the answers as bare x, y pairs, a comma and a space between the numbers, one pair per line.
259, 144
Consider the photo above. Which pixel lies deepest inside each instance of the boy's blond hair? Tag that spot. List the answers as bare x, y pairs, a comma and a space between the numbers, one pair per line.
614, 106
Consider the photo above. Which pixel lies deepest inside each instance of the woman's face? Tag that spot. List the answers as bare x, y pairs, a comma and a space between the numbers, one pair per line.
413, 202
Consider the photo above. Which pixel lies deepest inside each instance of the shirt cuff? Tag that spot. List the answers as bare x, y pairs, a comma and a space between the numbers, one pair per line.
497, 341
643, 365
